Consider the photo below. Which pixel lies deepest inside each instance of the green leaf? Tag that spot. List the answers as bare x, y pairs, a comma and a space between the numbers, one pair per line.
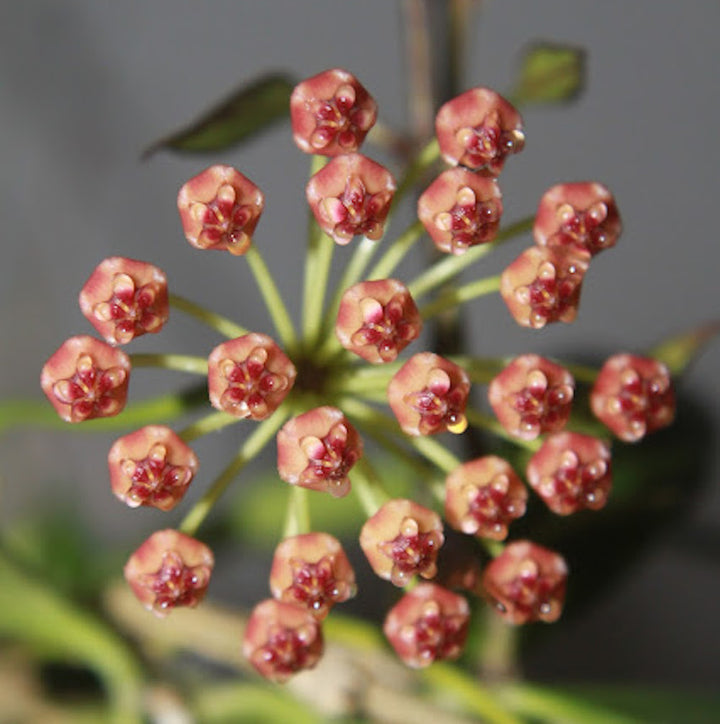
33, 613
679, 351
550, 73
251, 109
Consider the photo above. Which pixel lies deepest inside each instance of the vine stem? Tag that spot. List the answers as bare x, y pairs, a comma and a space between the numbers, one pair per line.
447, 268
250, 449
318, 260
177, 362
455, 296
273, 300
220, 324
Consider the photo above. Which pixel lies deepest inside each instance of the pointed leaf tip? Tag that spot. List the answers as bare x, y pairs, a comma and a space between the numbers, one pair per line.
251, 109
550, 73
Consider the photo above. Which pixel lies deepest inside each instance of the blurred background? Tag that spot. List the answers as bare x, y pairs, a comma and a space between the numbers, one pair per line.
85, 87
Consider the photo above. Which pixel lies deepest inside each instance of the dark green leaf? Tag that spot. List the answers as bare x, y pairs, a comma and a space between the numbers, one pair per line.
679, 351
550, 73
251, 109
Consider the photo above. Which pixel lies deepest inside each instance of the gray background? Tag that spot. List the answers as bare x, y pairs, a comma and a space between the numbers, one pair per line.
85, 86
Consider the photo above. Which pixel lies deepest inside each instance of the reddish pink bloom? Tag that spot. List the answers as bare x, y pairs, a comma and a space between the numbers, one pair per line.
402, 540
532, 396
351, 196
151, 466
377, 320
169, 569
633, 396
579, 215
249, 377
460, 209
282, 639
428, 395
312, 571
220, 209
526, 582
483, 497
124, 299
571, 472
317, 449
543, 285
331, 113
86, 378
479, 129
428, 624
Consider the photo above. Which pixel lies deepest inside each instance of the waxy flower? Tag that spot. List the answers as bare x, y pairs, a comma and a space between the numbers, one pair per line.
460, 209
532, 396
483, 497
428, 624
526, 582
331, 113
317, 449
571, 472
377, 320
428, 395
351, 196
282, 639
151, 466
543, 285
249, 376
169, 569
479, 129
402, 540
219, 209
633, 396
312, 570
124, 299
86, 378
578, 215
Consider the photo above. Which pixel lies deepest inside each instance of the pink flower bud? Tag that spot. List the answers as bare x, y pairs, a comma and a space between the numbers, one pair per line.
351, 196
543, 285
578, 215
526, 582
282, 639
124, 299
633, 396
460, 209
86, 378
532, 396
312, 571
402, 540
219, 209
428, 395
151, 466
377, 320
478, 129
331, 113
571, 472
249, 377
317, 449
483, 497
428, 624
169, 569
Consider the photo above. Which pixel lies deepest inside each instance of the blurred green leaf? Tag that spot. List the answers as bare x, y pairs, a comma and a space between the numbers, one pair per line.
679, 351
34, 613
251, 109
550, 73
